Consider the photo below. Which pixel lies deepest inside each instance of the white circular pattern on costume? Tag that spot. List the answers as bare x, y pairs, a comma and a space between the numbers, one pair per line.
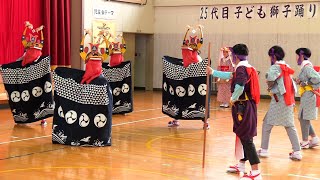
60, 112
125, 88
171, 90
37, 91
100, 120
191, 90
165, 87
25, 95
202, 89
116, 91
15, 96
71, 117
180, 91
84, 120
47, 87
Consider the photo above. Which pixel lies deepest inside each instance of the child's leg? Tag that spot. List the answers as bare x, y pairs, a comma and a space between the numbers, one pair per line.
266, 131
305, 127
315, 140
251, 153
312, 133
293, 136
240, 167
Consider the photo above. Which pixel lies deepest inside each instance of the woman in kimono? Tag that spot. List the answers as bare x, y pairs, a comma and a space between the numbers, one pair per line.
309, 81
224, 86
245, 96
281, 111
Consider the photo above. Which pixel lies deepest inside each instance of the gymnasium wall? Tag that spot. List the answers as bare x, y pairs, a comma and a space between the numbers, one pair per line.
171, 18
131, 18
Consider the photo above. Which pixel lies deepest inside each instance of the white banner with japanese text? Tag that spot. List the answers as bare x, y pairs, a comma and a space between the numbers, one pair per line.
260, 11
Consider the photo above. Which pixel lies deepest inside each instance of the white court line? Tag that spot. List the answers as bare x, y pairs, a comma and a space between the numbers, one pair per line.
142, 120
39, 137
308, 177
146, 110
131, 122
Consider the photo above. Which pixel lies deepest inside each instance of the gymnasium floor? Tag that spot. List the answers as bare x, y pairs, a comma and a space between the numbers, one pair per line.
145, 148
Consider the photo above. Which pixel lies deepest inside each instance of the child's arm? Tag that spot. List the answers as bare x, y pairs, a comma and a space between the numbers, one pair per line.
240, 81
273, 73
219, 74
271, 76
238, 91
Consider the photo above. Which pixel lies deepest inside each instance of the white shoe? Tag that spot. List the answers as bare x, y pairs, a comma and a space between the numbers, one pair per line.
304, 145
252, 176
173, 123
263, 153
238, 168
226, 105
43, 123
314, 142
221, 105
295, 155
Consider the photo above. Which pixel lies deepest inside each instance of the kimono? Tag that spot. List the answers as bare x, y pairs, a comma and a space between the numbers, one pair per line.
308, 109
244, 125
224, 87
280, 112
184, 89
30, 90
83, 113
119, 78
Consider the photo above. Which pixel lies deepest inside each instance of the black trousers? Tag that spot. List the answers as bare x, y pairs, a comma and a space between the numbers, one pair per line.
250, 152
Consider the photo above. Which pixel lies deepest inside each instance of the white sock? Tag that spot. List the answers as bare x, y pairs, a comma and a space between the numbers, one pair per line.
242, 164
255, 172
264, 150
315, 138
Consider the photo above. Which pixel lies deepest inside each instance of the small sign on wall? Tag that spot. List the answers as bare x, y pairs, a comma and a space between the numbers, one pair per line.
133, 1
105, 12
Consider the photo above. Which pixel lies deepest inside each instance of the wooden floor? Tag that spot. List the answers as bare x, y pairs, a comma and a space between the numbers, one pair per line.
145, 148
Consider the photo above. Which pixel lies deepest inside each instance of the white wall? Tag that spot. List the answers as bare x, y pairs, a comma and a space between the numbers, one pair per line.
171, 18
130, 17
